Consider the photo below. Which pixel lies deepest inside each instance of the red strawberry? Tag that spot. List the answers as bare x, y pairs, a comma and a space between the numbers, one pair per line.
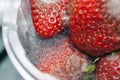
95, 25
108, 68
48, 16
63, 61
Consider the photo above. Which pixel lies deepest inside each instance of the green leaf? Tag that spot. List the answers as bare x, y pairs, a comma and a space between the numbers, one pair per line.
88, 77
90, 68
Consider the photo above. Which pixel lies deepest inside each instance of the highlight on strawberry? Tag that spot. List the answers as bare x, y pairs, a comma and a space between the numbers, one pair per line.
95, 25
49, 16
94, 29
108, 67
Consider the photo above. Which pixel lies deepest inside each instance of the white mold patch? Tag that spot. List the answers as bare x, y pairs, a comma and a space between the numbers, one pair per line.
114, 8
84, 66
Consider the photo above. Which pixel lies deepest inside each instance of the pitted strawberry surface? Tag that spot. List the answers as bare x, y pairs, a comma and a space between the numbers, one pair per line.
65, 63
94, 29
108, 68
48, 16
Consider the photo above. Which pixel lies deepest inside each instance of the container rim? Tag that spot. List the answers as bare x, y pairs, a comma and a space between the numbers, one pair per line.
14, 47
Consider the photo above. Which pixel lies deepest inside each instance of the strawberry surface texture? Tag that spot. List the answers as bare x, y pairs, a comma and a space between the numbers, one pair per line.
94, 27
65, 62
49, 16
75, 32
108, 68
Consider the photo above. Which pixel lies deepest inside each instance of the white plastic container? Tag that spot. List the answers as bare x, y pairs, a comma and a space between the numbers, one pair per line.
16, 22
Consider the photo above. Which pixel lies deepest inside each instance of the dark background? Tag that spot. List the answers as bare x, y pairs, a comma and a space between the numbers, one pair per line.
7, 70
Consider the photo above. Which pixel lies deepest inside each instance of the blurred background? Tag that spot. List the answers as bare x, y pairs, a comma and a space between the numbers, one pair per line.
7, 70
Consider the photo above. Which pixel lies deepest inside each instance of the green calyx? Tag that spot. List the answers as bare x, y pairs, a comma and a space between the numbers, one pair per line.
90, 69
115, 53
89, 77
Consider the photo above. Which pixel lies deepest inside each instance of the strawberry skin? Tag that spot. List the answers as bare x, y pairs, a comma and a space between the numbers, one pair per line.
108, 68
94, 29
48, 16
65, 63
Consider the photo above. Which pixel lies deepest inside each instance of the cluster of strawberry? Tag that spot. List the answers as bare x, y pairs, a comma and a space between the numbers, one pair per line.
94, 32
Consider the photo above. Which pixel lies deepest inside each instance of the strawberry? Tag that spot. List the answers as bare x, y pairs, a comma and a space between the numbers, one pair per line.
49, 16
108, 68
63, 61
95, 25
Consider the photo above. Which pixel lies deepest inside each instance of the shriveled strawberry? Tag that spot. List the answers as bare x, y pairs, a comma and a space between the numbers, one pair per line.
64, 61
49, 16
108, 68
95, 25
